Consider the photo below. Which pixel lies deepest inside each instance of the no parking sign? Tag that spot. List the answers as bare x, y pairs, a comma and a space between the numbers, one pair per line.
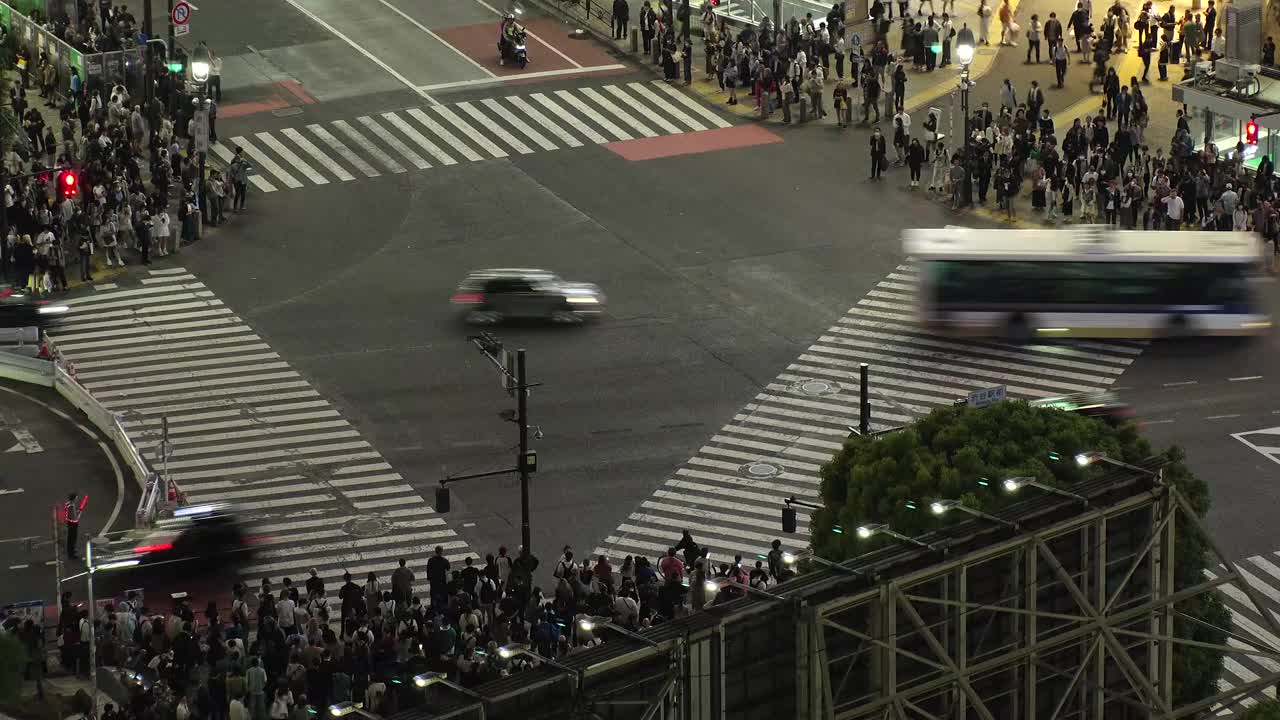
181, 17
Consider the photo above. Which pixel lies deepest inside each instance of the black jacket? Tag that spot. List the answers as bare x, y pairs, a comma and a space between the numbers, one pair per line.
877, 145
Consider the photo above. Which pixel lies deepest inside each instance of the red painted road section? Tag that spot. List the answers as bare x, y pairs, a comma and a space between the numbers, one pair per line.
704, 141
480, 43
279, 96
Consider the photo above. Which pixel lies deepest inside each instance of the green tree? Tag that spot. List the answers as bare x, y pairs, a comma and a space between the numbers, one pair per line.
948, 453
1265, 710
13, 661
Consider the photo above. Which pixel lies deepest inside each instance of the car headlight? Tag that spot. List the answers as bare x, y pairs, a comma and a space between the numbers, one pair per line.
52, 309
582, 300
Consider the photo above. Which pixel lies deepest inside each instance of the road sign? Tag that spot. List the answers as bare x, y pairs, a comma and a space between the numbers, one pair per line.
985, 397
181, 14
200, 126
181, 29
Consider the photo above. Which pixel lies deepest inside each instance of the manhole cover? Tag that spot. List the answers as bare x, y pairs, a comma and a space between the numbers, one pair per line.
815, 387
761, 469
287, 112
365, 526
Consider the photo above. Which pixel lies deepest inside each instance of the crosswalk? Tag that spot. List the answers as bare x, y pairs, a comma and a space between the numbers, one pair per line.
1262, 573
730, 494
419, 139
245, 427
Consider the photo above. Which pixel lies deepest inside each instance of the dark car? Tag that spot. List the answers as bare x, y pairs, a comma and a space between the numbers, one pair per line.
490, 296
19, 308
200, 537
1105, 406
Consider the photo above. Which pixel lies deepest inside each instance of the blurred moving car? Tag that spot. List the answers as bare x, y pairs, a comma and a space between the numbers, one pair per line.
1105, 406
204, 537
487, 297
18, 308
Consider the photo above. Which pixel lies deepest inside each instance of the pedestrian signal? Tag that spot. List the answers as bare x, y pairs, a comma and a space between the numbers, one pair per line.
1251, 133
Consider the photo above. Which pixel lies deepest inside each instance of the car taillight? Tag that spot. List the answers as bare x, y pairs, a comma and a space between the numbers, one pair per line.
468, 298
152, 548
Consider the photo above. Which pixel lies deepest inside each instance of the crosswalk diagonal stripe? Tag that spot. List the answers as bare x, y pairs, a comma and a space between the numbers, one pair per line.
474, 135
265, 162
431, 148
255, 179
569, 119
443, 133
595, 117
618, 112
537, 137
394, 142
691, 104
494, 128
316, 154
343, 151
665, 106
368, 147
640, 107
523, 106
290, 157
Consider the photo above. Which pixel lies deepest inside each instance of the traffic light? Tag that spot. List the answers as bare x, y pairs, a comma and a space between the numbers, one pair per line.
442, 499
788, 519
1251, 133
177, 64
69, 184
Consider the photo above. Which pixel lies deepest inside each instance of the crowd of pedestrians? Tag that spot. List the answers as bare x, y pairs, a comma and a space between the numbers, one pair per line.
279, 649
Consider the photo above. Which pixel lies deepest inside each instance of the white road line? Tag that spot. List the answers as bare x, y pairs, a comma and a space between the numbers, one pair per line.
431, 148
83, 365
266, 162
1242, 379
325, 161
487, 123
152, 328
666, 107
368, 146
137, 296
692, 104
524, 76
256, 421
105, 286
231, 398
255, 179
524, 106
290, 157
360, 49
164, 404
573, 122
75, 331
432, 34
443, 133
550, 47
151, 345
142, 312
286, 461
168, 271
641, 108
485, 143
396, 144
132, 369
596, 117
168, 278
336, 145
230, 451
960, 357
519, 124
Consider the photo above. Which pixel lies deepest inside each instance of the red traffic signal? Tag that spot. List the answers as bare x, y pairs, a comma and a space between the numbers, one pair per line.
1251, 133
69, 184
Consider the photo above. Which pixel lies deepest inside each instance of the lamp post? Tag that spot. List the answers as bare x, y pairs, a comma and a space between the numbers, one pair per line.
90, 570
941, 507
1013, 484
965, 46
867, 531
790, 559
589, 624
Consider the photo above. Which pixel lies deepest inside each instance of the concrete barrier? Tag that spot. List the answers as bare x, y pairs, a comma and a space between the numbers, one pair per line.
18, 366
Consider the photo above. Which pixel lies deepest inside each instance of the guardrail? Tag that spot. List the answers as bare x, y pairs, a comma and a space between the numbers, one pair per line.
32, 370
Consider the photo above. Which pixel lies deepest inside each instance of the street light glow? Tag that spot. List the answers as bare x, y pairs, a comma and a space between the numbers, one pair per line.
866, 531
965, 46
939, 507
1012, 484
788, 558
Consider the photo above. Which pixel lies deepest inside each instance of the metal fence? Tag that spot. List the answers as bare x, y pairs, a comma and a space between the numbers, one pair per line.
97, 70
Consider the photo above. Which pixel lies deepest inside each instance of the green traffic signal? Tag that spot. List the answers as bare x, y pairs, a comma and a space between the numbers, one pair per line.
177, 67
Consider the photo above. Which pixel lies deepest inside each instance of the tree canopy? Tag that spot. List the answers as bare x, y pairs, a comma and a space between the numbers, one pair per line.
950, 453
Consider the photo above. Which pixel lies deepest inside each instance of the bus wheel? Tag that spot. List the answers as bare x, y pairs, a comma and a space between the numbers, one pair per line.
1016, 330
1178, 327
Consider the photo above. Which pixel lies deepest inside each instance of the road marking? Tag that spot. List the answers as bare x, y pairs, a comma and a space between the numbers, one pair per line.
521, 76
443, 133
360, 49
19, 567
255, 179
14, 491
640, 107
1181, 384
431, 148
1223, 417
487, 123
266, 162
667, 107
325, 161
1156, 422
519, 124
396, 144
546, 122
1242, 379
336, 145
367, 146
569, 118
692, 104
618, 112
553, 49
26, 442
484, 142
599, 119
290, 157
106, 286
408, 18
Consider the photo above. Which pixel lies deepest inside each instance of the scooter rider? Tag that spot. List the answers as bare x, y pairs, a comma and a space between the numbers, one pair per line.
507, 33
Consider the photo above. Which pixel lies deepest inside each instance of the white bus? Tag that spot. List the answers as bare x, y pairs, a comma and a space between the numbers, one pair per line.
1089, 281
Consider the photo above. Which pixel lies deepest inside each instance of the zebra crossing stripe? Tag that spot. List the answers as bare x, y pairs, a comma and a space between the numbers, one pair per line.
443, 133
618, 112
487, 123
524, 106
289, 157
393, 141
519, 124
596, 117
336, 145
266, 162
325, 161
413, 134
667, 107
640, 107
569, 119
368, 147
692, 104
255, 179
485, 143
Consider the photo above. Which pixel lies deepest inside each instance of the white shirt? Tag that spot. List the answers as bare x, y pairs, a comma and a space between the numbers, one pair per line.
1174, 206
284, 611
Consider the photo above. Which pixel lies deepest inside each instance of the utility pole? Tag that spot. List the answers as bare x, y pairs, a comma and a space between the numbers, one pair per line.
522, 417
148, 77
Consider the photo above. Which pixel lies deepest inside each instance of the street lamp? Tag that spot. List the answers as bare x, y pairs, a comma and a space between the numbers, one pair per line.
790, 559
941, 507
426, 680
1013, 484
867, 531
347, 707
965, 47
1089, 458
714, 585
591, 623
